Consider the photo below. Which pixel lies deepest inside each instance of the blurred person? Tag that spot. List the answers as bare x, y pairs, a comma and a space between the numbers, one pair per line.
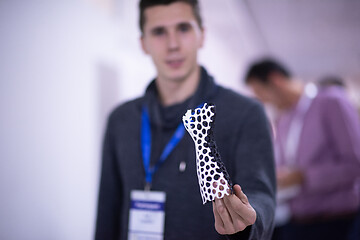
317, 153
338, 82
172, 34
335, 81
331, 81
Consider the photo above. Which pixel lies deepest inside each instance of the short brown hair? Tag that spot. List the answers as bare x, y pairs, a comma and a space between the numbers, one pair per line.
150, 3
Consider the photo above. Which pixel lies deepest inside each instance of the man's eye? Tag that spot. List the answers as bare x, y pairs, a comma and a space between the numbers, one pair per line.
184, 27
158, 31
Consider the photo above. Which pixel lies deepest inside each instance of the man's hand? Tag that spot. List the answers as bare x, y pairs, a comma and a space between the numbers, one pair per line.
288, 177
233, 213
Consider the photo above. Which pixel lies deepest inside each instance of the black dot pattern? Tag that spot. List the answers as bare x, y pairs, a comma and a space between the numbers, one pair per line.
214, 180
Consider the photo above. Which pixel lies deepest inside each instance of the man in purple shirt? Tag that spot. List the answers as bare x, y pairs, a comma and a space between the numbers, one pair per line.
317, 142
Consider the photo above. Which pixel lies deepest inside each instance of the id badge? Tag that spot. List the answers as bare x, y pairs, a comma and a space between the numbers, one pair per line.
147, 215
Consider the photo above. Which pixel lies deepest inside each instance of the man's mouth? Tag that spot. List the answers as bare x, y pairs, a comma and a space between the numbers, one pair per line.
175, 63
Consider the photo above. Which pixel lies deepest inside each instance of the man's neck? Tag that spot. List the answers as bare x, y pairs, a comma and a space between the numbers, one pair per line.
172, 92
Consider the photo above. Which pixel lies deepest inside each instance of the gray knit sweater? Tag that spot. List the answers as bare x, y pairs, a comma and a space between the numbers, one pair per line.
243, 139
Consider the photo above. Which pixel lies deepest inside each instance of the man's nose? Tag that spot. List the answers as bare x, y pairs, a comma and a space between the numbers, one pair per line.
173, 41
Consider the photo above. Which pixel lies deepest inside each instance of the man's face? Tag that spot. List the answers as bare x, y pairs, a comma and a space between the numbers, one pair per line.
172, 37
266, 93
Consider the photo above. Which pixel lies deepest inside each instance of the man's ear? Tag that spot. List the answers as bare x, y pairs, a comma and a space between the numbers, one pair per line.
143, 45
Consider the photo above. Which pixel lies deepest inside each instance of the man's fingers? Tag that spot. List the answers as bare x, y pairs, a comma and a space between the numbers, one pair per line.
239, 193
239, 222
233, 213
219, 224
242, 207
224, 215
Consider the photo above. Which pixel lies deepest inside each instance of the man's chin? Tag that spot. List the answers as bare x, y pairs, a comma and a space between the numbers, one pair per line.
177, 76
177, 79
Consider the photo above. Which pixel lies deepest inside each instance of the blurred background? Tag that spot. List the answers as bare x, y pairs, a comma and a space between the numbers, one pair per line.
65, 64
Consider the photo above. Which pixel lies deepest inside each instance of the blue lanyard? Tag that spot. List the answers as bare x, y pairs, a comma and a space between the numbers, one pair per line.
146, 146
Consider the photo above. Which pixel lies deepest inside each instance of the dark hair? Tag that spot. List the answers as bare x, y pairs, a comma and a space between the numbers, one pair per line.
151, 3
331, 81
260, 71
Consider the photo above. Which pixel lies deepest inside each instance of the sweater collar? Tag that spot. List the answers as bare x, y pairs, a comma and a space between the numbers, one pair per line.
170, 116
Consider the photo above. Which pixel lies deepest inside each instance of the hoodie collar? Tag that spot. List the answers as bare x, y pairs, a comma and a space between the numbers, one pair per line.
170, 116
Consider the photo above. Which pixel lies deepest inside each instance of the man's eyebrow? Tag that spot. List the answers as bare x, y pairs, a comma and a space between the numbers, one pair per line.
157, 29
184, 23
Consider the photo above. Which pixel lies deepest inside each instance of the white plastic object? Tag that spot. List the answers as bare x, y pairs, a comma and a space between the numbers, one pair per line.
214, 181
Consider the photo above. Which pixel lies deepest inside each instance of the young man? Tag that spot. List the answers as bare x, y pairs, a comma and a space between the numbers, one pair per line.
318, 160
172, 34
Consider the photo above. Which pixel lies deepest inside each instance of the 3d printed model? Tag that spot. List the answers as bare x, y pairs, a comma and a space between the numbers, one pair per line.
214, 181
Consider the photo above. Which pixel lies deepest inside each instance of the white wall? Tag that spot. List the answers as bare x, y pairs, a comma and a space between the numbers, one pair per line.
50, 64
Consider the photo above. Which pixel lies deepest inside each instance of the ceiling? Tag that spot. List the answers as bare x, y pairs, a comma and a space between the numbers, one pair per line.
314, 37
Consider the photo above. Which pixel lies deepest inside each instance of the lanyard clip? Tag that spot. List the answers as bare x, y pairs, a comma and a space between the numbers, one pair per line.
147, 186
